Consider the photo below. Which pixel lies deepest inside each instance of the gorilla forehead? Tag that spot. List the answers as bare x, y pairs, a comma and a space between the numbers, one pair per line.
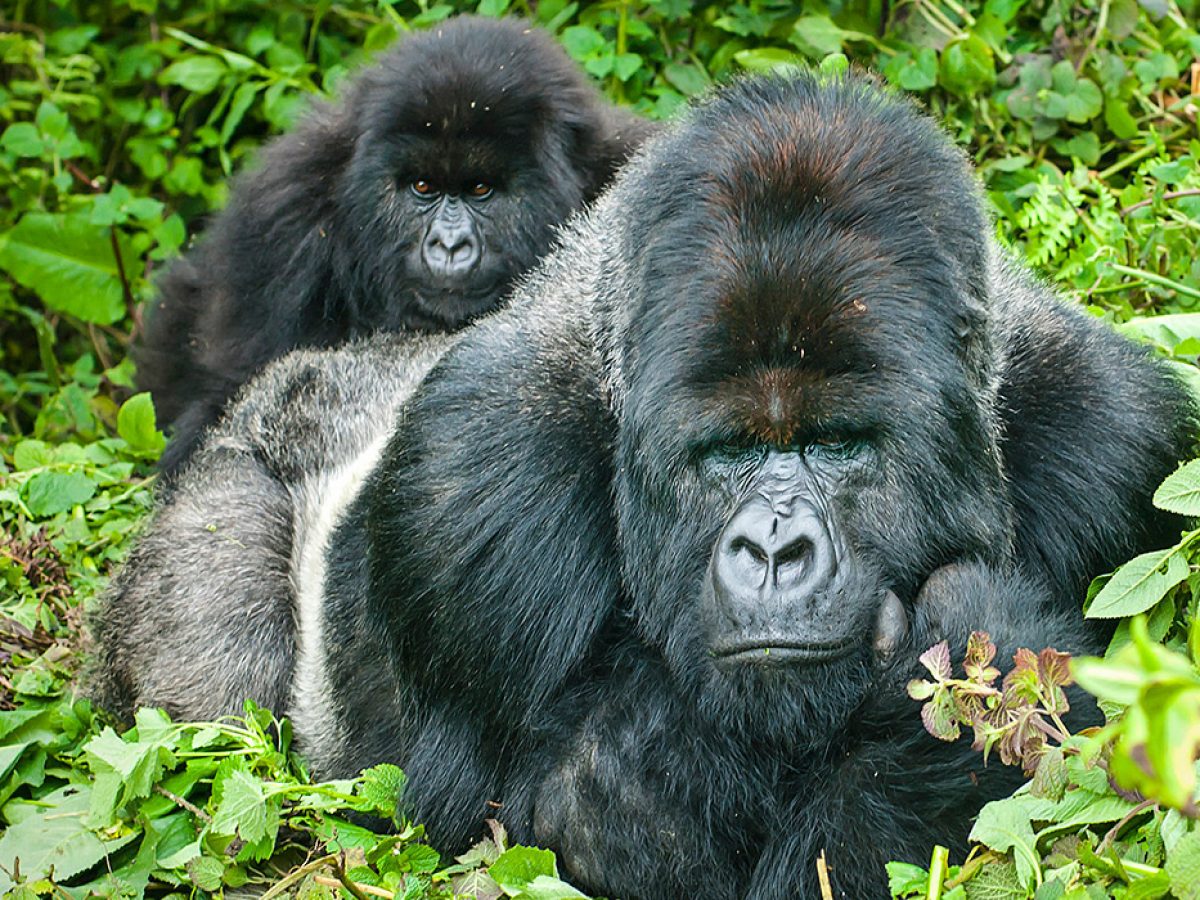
473, 80
825, 254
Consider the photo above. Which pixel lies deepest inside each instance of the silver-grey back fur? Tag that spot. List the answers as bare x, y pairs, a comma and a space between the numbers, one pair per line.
203, 614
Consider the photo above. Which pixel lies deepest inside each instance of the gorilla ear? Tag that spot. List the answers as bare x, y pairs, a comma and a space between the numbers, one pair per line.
493, 561
602, 140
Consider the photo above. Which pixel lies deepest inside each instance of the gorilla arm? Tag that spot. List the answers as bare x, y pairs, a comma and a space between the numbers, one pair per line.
1092, 424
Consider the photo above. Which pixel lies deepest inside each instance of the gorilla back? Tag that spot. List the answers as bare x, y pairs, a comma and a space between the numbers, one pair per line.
413, 203
650, 555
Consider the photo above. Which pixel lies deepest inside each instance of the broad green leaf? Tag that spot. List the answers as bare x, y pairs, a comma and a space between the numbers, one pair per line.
139, 763
49, 493
767, 59
966, 66
22, 139
686, 78
69, 262
136, 423
32, 454
55, 838
1183, 867
518, 866
1139, 584
543, 887
1180, 493
817, 36
494, 8
1005, 826
1167, 332
198, 74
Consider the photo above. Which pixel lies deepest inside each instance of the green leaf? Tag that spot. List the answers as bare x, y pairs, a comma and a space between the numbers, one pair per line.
56, 838
1183, 867
966, 66
69, 263
22, 139
206, 873
1180, 493
136, 423
1005, 825
198, 74
241, 804
905, 879
685, 78
997, 881
381, 786
493, 8
767, 59
1139, 584
543, 887
625, 64
49, 493
518, 866
817, 36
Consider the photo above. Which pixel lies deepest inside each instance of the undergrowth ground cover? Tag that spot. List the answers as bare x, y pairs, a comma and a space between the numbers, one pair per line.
120, 122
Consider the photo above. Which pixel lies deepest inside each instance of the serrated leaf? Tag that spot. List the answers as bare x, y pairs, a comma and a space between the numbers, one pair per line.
996, 881
205, 873
242, 805
1139, 584
1180, 493
56, 838
518, 866
381, 786
1183, 867
69, 263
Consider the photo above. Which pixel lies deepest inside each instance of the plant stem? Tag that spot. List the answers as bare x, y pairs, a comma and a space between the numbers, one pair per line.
938, 866
1148, 150
1158, 280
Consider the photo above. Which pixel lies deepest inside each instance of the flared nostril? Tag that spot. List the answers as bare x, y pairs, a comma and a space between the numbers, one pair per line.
793, 561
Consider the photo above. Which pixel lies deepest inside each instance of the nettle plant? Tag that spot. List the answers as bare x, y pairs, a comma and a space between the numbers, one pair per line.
1109, 811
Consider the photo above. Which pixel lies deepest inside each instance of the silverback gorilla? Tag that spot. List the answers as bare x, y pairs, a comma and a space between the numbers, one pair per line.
648, 557
412, 204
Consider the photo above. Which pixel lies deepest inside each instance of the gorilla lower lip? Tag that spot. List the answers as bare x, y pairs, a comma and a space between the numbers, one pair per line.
779, 652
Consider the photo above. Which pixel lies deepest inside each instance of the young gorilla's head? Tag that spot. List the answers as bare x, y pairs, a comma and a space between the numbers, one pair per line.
473, 141
804, 407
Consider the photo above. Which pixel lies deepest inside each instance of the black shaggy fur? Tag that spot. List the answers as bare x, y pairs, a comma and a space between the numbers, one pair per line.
320, 241
789, 297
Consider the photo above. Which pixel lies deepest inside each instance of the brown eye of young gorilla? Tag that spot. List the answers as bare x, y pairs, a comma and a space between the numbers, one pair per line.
423, 188
481, 190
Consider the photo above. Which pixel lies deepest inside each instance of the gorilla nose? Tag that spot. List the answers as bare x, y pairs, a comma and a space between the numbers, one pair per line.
770, 556
451, 249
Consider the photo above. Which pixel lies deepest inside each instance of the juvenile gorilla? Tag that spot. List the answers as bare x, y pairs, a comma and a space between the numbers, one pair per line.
413, 203
649, 556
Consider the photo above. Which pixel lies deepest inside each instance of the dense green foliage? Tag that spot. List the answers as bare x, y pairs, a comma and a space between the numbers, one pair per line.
120, 123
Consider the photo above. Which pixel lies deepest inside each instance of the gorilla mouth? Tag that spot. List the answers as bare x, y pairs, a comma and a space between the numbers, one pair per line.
775, 651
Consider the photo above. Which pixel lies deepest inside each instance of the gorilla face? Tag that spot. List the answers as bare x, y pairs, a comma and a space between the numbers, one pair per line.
455, 185
793, 422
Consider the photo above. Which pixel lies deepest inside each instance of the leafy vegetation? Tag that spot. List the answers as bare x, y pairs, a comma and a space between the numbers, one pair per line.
120, 123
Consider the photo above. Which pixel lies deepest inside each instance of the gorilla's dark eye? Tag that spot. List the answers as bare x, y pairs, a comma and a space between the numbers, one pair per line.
834, 447
481, 190
423, 188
